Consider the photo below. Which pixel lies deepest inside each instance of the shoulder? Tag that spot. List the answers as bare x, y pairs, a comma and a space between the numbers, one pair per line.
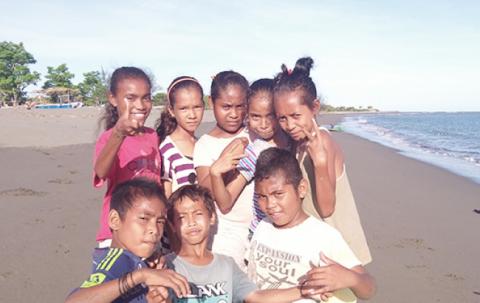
113, 263
166, 145
103, 137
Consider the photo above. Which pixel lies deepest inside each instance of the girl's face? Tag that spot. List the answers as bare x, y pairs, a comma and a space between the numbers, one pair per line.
230, 108
188, 108
133, 99
261, 116
294, 116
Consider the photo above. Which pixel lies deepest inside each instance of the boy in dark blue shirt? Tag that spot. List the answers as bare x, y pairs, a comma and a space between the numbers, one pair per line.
137, 218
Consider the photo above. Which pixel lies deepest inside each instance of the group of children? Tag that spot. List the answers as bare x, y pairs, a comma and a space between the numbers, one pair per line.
259, 209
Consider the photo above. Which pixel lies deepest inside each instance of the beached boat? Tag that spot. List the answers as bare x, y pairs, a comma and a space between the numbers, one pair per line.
59, 105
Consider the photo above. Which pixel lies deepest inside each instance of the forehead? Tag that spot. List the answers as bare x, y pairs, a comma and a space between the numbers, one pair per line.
275, 181
261, 102
151, 205
134, 85
187, 94
188, 204
289, 100
232, 93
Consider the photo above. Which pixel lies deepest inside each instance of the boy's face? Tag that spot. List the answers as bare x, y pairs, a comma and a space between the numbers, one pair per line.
281, 202
192, 221
141, 228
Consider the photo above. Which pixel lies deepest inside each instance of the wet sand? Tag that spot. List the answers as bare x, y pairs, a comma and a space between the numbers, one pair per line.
418, 218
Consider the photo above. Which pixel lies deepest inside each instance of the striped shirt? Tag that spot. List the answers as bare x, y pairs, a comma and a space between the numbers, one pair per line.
177, 168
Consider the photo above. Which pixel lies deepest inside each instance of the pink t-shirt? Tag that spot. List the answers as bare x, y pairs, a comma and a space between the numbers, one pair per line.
137, 156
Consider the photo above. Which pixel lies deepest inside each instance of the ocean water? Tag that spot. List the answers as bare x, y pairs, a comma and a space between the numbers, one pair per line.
447, 140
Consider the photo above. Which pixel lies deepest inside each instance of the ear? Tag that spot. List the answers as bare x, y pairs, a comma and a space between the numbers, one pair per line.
302, 188
170, 110
316, 106
112, 100
114, 220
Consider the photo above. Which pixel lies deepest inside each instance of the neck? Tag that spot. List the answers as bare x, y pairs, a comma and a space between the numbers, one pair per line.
181, 133
197, 254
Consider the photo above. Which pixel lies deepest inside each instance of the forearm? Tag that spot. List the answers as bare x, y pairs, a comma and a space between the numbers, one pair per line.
220, 193
325, 192
105, 160
365, 286
275, 295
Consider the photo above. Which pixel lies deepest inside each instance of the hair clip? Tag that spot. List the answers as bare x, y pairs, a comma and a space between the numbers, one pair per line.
289, 71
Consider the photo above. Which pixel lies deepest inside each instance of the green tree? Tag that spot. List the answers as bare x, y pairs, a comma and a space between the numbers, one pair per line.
58, 77
94, 88
15, 75
159, 98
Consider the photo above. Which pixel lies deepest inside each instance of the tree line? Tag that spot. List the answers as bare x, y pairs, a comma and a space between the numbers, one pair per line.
16, 76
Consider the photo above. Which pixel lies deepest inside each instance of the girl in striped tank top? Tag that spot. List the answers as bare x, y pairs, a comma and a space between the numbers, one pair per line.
176, 130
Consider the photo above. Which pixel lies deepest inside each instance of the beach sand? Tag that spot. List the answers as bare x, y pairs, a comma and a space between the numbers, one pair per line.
418, 218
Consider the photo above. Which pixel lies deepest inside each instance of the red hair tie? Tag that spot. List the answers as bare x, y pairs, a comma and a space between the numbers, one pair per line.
289, 71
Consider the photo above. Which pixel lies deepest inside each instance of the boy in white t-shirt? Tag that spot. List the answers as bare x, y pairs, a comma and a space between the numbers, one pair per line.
290, 247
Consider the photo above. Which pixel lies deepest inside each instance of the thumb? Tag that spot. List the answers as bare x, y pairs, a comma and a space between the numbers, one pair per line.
326, 259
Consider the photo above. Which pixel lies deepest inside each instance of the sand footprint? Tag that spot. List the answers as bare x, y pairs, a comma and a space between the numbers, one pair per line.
22, 192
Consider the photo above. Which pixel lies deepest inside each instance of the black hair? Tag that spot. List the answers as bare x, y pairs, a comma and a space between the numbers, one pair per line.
126, 193
297, 79
274, 160
110, 116
194, 192
264, 85
224, 79
166, 124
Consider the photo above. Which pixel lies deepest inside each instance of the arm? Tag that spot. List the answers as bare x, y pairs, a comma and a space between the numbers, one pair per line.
274, 295
334, 276
109, 291
124, 127
322, 152
167, 187
226, 195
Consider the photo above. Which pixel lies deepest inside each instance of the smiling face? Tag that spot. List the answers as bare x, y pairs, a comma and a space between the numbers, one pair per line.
230, 108
132, 97
188, 108
261, 116
293, 115
141, 228
192, 221
281, 201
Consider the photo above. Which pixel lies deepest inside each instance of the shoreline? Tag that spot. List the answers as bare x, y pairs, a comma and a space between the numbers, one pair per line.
417, 218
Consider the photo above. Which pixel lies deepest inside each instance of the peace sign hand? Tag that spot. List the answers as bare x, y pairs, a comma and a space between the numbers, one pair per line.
315, 145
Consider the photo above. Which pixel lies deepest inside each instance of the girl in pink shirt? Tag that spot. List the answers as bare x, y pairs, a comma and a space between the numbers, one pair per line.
126, 149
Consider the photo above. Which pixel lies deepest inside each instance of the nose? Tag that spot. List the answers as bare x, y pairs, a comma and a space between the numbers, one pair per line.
270, 203
264, 123
191, 221
139, 104
153, 228
290, 125
192, 114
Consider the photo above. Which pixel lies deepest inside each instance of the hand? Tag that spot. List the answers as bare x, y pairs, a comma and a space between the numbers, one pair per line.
166, 278
156, 260
328, 278
157, 294
315, 145
126, 126
229, 157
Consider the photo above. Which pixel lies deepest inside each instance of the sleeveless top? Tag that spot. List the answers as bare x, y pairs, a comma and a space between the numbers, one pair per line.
345, 217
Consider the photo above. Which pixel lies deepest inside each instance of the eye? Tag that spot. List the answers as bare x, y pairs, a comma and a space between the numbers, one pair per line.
278, 195
161, 221
226, 107
282, 119
147, 99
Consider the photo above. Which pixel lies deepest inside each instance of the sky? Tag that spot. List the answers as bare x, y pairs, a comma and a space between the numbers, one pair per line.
392, 55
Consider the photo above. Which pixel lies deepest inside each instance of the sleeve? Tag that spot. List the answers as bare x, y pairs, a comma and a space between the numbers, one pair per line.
112, 267
201, 155
101, 142
246, 165
340, 251
241, 284
166, 164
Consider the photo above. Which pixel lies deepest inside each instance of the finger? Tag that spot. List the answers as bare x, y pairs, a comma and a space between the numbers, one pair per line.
326, 296
326, 259
126, 112
162, 262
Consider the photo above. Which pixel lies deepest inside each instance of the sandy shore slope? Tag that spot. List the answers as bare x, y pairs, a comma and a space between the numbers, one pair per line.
418, 219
